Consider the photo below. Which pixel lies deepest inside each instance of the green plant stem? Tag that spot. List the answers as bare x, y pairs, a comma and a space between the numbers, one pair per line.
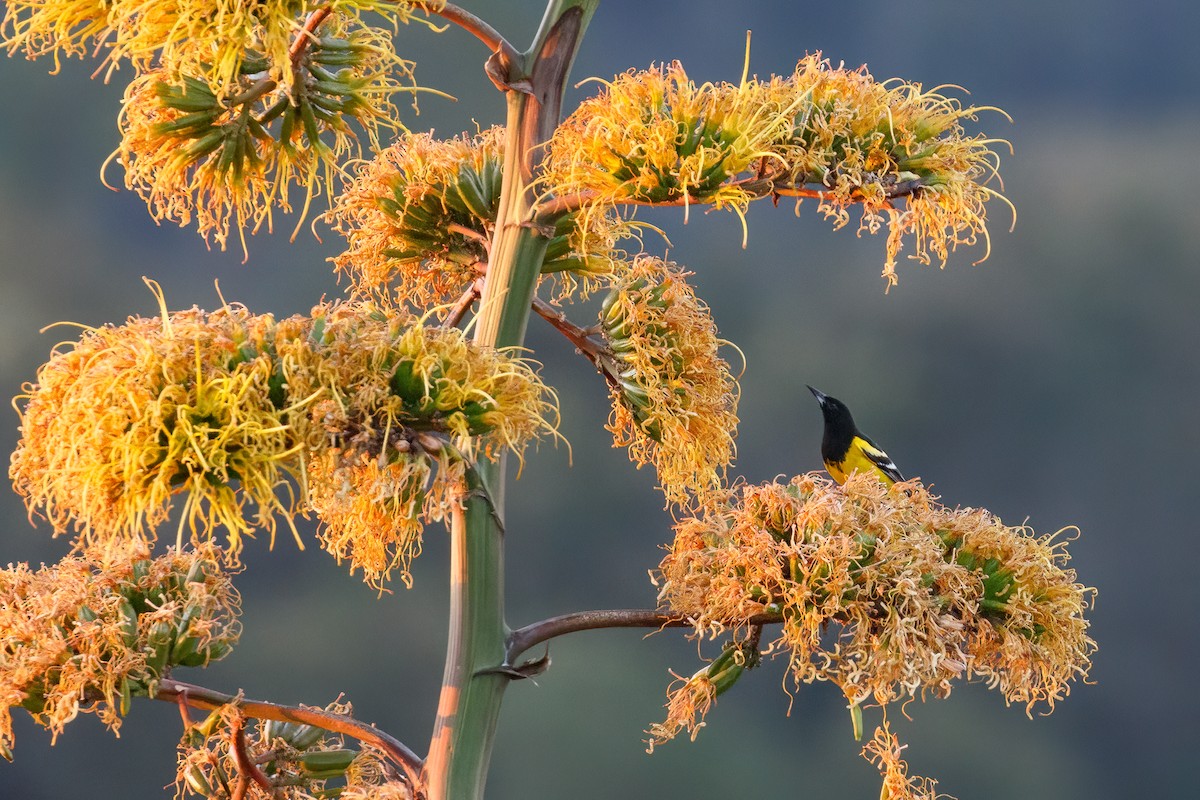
469, 704
472, 685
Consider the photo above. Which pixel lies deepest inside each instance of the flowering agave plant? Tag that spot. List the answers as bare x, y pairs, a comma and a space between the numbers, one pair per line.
396, 407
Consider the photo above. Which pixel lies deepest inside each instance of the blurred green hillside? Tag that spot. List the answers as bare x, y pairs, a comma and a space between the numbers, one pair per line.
1056, 383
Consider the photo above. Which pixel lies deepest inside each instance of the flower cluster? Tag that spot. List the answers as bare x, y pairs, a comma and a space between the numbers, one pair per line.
656, 137
226, 756
232, 104
192, 152
91, 632
209, 39
233, 410
403, 398
418, 219
919, 595
674, 398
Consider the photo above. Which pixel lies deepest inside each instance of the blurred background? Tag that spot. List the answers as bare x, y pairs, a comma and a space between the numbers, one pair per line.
1054, 384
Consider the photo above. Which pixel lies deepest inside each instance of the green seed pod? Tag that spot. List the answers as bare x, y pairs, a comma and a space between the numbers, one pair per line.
634, 393
287, 128
197, 782
406, 384
335, 761
126, 697
306, 736
620, 346
217, 650
286, 730
186, 652
311, 129
141, 570
618, 331
333, 43
470, 189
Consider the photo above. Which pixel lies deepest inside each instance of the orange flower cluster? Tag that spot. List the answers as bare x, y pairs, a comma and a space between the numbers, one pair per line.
91, 632
917, 595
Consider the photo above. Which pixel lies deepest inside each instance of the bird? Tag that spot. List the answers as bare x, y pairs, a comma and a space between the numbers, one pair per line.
846, 449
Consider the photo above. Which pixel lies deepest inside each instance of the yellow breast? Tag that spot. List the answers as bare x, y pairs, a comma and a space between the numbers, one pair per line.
856, 460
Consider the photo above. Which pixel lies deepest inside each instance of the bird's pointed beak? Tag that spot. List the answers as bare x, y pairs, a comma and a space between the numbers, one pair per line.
821, 396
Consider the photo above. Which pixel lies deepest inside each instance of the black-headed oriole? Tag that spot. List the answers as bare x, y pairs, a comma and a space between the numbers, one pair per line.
846, 449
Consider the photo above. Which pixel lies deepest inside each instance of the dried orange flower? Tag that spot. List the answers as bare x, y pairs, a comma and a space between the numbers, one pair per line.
91, 632
674, 398
391, 790
231, 409
418, 219
689, 700
655, 137
884, 751
921, 595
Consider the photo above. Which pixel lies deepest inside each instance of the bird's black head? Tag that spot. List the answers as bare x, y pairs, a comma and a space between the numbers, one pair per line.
839, 425
832, 409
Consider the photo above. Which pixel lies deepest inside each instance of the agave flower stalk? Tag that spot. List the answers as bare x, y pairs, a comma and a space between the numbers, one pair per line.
473, 683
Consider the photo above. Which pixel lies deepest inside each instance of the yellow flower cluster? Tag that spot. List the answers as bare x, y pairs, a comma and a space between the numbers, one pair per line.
213, 39
228, 162
655, 137
295, 761
920, 595
403, 398
233, 104
235, 411
419, 217
91, 632
674, 398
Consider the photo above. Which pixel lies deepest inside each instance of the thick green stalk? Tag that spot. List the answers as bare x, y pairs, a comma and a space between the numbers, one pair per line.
473, 683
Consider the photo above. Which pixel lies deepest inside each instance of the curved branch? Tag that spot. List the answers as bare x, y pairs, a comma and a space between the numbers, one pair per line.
300, 45
477, 27
207, 699
524, 638
580, 337
551, 210
246, 767
308, 33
